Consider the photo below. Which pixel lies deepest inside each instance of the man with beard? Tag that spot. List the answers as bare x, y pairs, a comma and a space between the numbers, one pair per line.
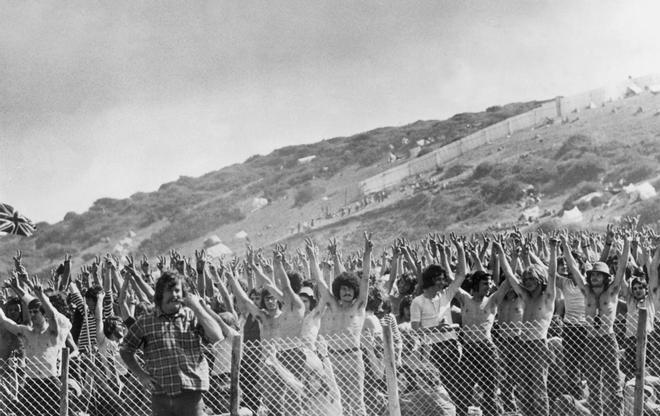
601, 291
175, 369
537, 289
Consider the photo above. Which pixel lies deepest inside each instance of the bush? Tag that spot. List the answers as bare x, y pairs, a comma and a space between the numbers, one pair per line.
502, 191
574, 147
303, 196
584, 189
455, 170
573, 172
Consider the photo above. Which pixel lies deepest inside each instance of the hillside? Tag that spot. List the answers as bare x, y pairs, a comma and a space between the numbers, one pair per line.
561, 161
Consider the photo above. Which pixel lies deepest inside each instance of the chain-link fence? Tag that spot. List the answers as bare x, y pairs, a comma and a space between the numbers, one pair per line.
492, 369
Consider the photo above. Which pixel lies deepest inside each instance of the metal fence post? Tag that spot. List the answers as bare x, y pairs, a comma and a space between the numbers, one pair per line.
234, 388
640, 363
64, 391
390, 372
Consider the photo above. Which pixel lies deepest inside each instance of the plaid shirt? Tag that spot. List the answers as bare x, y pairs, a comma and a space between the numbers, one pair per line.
172, 348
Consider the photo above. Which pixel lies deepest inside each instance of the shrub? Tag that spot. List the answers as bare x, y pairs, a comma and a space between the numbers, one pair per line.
584, 189
303, 196
575, 146
502, 191
575, 171
455, 170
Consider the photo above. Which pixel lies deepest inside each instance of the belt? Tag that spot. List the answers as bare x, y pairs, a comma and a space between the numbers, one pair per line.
343, 351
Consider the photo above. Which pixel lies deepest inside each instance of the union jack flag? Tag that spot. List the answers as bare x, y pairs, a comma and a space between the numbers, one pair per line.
11, 222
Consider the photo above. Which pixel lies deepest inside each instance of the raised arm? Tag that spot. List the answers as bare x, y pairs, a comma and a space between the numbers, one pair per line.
241, 295
290, 297
461, 268
336, 257
623, 263
573, 268
51, 312
366, 270
609, 239
506, 268
98, 317
654, 282
551, 289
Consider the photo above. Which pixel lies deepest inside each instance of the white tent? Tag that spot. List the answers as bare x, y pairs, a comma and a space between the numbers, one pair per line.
642, 190
218, 250
258, 203
655, 89
572, 216
241, 234
212, 240
306, 159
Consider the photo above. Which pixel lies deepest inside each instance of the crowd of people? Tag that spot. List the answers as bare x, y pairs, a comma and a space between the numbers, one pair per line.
528, 324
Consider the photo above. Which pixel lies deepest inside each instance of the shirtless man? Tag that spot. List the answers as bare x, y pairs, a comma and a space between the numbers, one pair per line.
537, 290
280, 327
346, 306
602, 350
509, 320
479, 362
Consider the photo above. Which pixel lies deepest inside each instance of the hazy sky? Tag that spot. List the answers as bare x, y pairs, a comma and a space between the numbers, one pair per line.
111, 98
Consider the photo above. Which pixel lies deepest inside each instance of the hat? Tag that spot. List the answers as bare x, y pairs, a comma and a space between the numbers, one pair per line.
307, 291
599, 267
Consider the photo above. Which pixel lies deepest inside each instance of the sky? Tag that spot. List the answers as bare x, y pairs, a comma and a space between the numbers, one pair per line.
106, 99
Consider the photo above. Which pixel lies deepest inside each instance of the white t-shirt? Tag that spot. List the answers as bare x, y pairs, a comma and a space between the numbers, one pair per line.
42, 349
109, 350
430, 312
222, 355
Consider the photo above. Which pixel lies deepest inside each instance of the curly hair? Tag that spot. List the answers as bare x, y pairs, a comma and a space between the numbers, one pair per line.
476, 278
295, 280
374, 299
409, 280
430, 274
348, 279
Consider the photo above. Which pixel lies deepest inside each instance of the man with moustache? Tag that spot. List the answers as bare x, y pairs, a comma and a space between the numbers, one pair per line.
175, 369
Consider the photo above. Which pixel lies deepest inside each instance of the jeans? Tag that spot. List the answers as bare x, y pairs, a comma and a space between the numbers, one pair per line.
533, 385
510, 348
603, 374
574, 336
445, 356
480, 365
348, 366
187, 403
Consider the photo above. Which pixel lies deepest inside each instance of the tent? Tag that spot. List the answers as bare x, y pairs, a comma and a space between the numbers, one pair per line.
211, 241
643, 190
218, 250
655, 89
241, 234
572, 216
258, 203
306, 159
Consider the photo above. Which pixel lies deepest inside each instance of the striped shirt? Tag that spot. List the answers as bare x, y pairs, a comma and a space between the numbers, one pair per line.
172, 346
87, 338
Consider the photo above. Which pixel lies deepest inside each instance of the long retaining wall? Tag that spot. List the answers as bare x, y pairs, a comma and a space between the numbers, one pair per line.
556, 109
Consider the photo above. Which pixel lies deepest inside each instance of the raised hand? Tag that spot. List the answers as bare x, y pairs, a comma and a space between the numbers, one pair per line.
368, 244
200, 261
162, 263
332, 247
144, 265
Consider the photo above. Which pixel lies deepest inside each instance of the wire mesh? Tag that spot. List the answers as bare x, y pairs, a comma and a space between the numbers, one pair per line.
501, 370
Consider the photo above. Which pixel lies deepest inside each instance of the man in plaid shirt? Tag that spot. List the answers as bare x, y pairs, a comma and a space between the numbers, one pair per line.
175, 370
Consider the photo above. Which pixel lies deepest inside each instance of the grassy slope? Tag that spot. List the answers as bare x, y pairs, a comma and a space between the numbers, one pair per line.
182, 214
